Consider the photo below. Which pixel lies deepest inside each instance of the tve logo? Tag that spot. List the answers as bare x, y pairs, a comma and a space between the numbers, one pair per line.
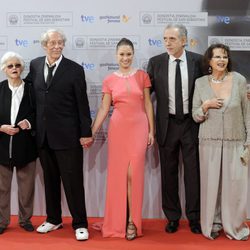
87, 19
223, 19
21, 43
155, 42
88, 66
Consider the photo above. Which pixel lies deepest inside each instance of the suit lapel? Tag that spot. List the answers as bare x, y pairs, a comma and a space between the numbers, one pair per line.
7, 102
164, 74
40, 73
190, 66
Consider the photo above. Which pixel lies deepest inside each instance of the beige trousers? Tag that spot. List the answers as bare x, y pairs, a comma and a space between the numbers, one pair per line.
26, 185
224, 184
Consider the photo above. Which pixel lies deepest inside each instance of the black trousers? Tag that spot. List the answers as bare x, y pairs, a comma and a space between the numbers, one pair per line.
66, 166
180, 136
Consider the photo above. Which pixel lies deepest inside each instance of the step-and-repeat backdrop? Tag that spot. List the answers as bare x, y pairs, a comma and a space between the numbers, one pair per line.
93, 28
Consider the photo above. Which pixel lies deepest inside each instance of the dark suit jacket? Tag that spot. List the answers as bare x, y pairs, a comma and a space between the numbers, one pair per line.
158, 73
23, 143
63, 113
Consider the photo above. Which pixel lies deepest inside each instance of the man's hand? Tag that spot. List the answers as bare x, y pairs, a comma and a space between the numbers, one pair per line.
24, 124
9, 129
86, 142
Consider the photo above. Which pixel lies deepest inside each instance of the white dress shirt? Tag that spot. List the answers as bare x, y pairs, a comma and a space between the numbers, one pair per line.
17, 95
16, 98
171, 82
54, 70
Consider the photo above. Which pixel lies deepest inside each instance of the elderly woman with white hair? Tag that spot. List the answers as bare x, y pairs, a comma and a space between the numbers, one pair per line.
17, 142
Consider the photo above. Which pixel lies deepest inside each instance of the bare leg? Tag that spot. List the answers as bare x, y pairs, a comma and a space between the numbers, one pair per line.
130, 218
131, 228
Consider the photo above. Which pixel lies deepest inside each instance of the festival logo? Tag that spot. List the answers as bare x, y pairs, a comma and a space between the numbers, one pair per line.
147, 19
13, 20
40, 19
79, 42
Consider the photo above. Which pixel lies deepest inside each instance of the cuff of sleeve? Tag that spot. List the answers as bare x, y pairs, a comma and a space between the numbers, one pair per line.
244, 157
29, 125
200, 116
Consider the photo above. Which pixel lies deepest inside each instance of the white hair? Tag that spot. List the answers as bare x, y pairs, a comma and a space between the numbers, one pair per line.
46, 34
11, 55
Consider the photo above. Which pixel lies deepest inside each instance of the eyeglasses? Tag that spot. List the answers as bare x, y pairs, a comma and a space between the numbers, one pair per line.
220, 57
11, 66
54, 43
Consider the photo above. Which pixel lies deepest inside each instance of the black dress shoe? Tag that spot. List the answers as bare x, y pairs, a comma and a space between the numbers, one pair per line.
172, 226
195, 226
2, 230
27, 227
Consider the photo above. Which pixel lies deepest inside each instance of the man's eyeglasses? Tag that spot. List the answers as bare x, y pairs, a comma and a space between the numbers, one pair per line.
59, 43
220, 57
11, 66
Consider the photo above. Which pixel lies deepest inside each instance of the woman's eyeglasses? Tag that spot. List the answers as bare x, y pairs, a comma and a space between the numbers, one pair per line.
220, 57
11, 66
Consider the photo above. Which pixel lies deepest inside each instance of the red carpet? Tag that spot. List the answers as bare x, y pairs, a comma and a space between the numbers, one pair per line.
15, 238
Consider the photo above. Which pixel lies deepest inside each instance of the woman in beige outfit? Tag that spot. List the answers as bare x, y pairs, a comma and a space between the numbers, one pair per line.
220, 104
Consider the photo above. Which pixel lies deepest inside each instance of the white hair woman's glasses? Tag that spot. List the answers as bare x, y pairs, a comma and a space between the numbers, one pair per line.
11, 66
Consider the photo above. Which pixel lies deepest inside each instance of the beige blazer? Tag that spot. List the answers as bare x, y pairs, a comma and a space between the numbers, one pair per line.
230, 123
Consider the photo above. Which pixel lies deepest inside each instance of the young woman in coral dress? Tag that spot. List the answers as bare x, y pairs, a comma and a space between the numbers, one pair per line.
131, 130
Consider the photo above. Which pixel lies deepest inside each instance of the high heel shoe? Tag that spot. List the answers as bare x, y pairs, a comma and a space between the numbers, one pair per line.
131, 233
215, 235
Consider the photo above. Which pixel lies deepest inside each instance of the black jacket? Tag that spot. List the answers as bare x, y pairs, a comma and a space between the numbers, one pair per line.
158, 73
62, 108
23, 143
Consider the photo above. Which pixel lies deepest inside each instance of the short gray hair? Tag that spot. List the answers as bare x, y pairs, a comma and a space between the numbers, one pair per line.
181, 28
46, 34
11, 55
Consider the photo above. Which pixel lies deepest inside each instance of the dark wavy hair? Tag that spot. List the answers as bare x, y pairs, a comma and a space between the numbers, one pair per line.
209, 54
125, 41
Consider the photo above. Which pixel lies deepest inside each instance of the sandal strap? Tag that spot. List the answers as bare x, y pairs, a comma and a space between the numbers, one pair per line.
131, 231
131, 226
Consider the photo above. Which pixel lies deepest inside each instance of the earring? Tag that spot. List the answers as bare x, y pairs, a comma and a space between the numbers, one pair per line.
209, 69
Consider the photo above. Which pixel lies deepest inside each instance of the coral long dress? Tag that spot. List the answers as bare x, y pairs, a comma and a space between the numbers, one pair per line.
127, 143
